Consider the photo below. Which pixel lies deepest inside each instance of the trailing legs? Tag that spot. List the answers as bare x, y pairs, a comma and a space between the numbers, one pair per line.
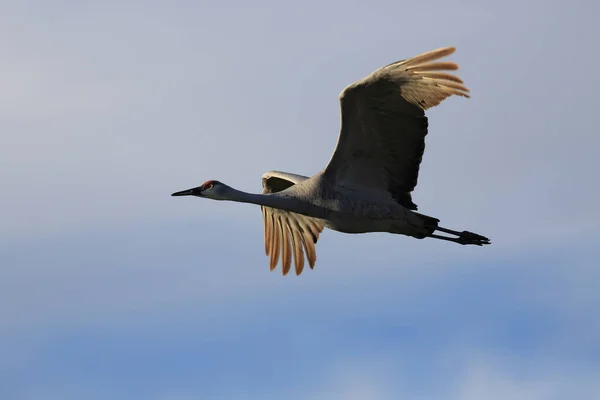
464, 237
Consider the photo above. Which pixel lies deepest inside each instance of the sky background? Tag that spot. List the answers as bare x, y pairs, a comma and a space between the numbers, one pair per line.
111, 289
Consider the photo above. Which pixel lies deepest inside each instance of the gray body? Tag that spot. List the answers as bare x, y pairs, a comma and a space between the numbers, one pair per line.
349, 209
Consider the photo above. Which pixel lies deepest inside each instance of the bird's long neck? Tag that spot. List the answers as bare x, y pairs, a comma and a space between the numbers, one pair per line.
285, 203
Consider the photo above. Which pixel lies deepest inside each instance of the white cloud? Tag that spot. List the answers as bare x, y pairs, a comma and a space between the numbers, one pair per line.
493, 379
482, 376
353, 380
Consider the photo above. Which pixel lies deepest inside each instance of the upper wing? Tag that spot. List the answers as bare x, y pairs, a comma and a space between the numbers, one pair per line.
287, 232
383, 127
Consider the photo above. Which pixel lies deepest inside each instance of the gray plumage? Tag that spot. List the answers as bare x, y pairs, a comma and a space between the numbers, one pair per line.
368, 183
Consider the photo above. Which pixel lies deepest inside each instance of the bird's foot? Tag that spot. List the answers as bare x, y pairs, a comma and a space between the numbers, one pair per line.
467, 237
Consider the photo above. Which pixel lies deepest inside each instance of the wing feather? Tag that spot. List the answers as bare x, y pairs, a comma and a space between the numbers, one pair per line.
382, 135
286, 259
309, 246
288, 234
298, 253
275, 243
268, 227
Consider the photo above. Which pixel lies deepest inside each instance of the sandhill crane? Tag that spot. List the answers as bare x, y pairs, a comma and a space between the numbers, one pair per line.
367, 184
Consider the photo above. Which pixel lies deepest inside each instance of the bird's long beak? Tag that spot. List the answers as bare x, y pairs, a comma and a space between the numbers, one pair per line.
188, 192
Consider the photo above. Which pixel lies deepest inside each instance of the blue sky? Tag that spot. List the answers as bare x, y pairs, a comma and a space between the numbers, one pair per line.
111, 289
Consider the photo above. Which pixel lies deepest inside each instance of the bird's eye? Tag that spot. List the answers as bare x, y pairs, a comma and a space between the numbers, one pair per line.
209, 186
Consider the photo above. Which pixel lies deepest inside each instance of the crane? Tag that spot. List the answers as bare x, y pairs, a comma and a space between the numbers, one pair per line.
367, 184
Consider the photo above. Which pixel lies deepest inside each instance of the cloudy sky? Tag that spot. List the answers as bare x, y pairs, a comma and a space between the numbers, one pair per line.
111, 289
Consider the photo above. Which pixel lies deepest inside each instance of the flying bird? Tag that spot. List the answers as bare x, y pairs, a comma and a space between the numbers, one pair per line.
367, 184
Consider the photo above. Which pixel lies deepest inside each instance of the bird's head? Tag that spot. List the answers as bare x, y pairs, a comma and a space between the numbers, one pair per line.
210, 189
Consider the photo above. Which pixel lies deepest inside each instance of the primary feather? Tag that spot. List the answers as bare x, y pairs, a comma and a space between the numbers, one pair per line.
288, 233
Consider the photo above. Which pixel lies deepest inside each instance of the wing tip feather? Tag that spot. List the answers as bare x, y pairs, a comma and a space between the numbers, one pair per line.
290, 236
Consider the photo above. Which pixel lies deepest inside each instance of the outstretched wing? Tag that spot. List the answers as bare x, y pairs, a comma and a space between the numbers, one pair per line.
383, 124
287, 232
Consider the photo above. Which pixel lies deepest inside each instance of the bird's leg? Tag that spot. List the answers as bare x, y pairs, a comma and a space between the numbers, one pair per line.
455, 240
464, 237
